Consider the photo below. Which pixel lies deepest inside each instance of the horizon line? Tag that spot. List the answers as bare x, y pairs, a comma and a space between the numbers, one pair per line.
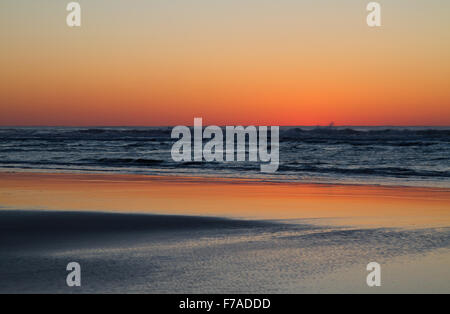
162, 126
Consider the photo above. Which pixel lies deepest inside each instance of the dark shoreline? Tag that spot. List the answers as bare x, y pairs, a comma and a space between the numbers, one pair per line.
146, 253
32, 228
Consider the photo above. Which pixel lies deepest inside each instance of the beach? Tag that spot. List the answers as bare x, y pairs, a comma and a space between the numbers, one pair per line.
173, 234
224, 147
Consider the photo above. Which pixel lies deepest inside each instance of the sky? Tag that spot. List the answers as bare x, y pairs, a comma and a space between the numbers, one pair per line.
250, 62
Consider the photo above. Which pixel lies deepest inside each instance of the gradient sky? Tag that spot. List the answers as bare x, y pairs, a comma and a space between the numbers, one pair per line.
260, 62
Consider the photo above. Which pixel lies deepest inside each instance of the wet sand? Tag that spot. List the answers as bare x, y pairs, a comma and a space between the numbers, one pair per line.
231, 198
160, 235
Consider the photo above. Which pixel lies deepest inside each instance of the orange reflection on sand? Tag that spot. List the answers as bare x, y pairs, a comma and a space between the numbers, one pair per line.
345, 204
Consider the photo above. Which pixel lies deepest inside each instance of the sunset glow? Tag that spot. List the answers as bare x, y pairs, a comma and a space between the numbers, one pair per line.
230, 62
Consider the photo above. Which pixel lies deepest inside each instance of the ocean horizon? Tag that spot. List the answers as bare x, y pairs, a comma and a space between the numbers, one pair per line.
381, 155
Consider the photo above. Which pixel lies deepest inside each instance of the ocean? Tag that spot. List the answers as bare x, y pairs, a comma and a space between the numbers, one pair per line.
407, 156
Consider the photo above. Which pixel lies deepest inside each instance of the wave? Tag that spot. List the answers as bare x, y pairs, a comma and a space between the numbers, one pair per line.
341, 153
285, 132
381, 171
411, 136
126, 161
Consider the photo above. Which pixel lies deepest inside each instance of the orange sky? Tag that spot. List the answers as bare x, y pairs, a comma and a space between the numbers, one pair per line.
260, 62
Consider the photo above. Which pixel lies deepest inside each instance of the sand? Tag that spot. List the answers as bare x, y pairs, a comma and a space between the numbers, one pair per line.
146, 234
